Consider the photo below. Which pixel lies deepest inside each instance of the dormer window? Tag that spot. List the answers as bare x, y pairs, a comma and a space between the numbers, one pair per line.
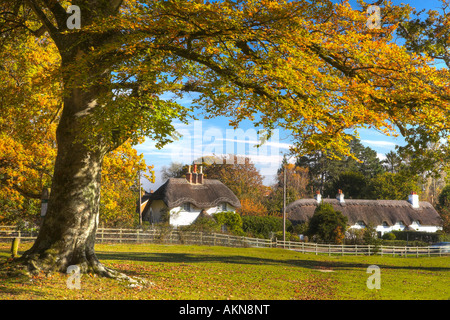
222, 207
360, 224
187, 206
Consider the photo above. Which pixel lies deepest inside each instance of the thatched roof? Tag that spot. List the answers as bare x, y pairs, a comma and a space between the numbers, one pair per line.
210, 193
373, 212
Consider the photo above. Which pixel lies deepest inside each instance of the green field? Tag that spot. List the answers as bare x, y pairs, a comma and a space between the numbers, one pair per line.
201, 272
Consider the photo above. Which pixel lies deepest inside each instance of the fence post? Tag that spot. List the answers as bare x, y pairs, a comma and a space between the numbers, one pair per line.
369, 249
356, 249
329, 249
15, 246
316, 249
120, 235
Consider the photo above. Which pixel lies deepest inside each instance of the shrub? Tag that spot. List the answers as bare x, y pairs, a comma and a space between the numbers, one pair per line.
388, 236
289, 236
354, 236
327, 224
231, 220
416, 236
262, 226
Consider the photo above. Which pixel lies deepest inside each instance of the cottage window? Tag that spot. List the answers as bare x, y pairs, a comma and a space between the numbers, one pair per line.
222, 207
187, 206
360, 224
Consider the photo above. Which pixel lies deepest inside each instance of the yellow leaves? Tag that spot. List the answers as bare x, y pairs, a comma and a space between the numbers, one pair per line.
119, 185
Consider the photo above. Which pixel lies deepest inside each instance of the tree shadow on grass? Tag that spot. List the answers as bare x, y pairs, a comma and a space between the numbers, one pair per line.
246, 260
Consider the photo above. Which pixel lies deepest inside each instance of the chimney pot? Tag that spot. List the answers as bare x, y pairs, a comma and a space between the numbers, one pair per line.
340, 196
413, 199
318, 196
200, 175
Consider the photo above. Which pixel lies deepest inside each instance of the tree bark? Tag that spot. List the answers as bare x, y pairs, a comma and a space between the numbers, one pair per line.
67, 235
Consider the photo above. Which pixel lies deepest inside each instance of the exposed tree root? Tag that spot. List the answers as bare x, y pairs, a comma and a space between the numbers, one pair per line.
30, 265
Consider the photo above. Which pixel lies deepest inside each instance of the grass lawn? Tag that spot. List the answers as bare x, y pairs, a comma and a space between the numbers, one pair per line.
220, 273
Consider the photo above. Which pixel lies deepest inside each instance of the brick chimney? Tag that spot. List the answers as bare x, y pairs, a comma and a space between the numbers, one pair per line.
340, 196
318, 197
195, 175
413, 199
189, 175
200, 175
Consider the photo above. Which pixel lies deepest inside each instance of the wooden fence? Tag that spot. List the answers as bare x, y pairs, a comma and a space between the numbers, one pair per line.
172, 236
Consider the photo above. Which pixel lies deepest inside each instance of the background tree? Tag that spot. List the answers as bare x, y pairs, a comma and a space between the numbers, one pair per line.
324, 172
353, 184
392, 186
252, 208
174, 170
120, 187
444, 207
393, 162
427, 34
297, 180
239, 174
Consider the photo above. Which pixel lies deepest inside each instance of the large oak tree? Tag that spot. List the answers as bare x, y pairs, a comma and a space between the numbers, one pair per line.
311, 67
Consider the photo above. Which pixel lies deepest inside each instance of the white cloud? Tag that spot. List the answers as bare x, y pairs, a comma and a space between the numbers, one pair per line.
381, 156
380, 143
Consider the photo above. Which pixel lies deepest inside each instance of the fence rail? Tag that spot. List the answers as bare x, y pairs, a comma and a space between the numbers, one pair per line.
171, 236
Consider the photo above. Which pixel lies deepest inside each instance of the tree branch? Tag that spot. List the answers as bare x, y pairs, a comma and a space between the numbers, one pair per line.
54, 32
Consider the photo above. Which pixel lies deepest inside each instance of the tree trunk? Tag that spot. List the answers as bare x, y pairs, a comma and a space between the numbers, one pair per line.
67, 235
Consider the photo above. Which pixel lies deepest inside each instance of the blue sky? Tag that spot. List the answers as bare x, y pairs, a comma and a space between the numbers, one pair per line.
215, 136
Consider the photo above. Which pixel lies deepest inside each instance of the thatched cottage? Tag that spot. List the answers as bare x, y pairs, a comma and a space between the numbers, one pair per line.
182, 200
386, 215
